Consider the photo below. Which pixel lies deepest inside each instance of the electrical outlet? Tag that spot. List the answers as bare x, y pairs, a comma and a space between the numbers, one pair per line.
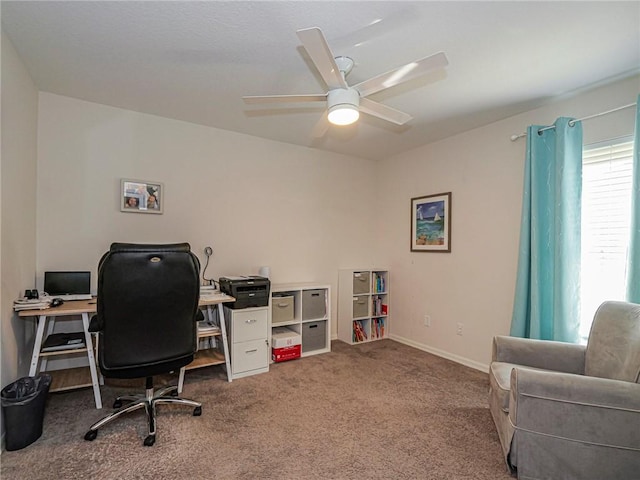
459, 329
427, 320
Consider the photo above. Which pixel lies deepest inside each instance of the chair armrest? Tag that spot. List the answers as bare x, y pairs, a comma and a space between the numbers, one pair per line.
96, 324
592, 410
545, 354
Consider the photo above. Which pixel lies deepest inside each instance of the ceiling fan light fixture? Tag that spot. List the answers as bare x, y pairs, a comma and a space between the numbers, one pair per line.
343, 106
343, 114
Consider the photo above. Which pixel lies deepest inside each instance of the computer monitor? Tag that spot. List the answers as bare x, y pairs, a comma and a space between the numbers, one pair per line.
67, 283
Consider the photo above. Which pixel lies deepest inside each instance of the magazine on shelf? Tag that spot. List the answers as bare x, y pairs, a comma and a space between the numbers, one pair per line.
63, 341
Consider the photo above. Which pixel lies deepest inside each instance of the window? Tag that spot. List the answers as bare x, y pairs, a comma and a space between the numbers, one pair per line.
606, 219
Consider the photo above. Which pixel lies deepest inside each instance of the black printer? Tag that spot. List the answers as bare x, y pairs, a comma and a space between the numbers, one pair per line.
250, 291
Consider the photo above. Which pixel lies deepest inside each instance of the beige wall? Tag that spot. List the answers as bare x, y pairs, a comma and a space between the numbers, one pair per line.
18, 207
303, 212
483, 168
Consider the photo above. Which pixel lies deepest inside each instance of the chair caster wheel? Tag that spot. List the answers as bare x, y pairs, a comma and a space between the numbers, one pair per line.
149, 441
91, 435
117, 404
197, 411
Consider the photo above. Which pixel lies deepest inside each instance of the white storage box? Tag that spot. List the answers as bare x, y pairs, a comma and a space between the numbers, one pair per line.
284, 337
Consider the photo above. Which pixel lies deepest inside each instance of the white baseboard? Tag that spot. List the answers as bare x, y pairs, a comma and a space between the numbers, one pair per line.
441, 353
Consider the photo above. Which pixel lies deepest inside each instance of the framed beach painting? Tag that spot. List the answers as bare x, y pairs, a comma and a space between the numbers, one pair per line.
431, 223
140, 196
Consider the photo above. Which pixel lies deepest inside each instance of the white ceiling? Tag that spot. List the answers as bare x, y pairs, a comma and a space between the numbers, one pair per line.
194, 61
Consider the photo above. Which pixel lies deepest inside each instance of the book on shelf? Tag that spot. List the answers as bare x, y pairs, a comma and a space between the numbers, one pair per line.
207, 327
359, 334
63, 341
378, 281
378, 328
378, 308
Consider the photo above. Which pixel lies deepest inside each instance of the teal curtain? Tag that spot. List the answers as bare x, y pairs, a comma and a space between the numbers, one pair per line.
633, 265
547, 297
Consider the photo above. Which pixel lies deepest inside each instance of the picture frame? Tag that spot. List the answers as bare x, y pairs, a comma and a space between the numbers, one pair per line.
140, 196
431, 223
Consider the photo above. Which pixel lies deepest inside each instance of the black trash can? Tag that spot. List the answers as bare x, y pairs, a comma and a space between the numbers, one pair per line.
23, 410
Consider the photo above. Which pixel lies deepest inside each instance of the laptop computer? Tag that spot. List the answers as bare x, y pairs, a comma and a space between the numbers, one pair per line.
68, 285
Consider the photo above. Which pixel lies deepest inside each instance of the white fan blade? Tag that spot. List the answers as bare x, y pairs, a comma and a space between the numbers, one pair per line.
321, 127
318, 49
384, 112
284, 98
403, 74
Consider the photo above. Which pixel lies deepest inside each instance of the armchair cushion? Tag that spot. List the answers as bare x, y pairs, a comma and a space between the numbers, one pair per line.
500, 380
613, 350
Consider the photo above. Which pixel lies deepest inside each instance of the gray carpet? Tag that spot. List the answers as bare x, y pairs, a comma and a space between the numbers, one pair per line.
381, 410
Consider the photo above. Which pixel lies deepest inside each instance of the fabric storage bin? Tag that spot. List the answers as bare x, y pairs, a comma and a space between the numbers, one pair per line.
314, 336
361, 282
282, 309
314, 304
360, 306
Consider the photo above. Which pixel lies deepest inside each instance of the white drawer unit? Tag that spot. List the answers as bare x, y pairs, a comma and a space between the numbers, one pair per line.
248, 335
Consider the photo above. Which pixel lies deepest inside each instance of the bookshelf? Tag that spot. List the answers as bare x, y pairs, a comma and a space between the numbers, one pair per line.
363, 305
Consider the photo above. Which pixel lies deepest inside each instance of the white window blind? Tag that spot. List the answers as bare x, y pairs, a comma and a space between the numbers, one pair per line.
606, 217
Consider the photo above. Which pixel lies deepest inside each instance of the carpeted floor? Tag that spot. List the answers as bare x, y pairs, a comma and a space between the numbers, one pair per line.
381, 410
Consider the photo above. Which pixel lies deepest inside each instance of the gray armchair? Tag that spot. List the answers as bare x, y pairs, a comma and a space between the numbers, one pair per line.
566, 411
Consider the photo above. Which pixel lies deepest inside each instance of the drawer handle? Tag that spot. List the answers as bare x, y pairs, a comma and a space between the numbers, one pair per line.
315, 294
253, 320
283, 305
251, 351
312, 326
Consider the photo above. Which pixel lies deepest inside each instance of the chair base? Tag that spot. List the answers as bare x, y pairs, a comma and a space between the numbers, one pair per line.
148, 401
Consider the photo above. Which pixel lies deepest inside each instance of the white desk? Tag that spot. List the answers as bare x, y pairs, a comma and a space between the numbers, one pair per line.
82, 377
70, 378
206, 358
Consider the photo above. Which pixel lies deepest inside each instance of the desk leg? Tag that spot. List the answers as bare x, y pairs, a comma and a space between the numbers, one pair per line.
50, 326
225, 344
33, 369
92, 360
181, 380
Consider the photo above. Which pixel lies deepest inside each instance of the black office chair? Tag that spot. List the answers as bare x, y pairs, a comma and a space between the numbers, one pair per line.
146, 318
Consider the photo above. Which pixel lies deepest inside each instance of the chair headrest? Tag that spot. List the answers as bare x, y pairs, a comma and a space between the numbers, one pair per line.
149, 248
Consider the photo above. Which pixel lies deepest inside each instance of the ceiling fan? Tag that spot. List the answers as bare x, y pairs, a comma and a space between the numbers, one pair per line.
344, 102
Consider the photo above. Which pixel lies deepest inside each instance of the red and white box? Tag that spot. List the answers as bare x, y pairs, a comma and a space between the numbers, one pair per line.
285, 353
284, 337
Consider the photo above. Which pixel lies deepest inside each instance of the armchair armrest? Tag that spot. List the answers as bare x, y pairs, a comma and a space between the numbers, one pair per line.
545, 354
589, 410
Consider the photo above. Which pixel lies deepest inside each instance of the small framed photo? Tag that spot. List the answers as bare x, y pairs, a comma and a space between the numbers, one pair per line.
431, 223
139, 196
